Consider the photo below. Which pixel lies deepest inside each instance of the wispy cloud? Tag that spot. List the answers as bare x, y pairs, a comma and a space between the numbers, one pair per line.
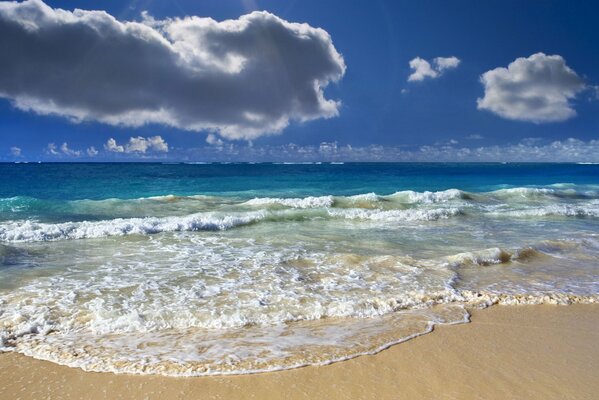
475, 136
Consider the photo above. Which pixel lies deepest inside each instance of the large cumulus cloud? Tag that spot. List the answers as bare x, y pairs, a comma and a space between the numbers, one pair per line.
536, 89
240, 78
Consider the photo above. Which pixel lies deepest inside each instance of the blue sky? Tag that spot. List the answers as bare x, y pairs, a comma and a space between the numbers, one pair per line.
377, 107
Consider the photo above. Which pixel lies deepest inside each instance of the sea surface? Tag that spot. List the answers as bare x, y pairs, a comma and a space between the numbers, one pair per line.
204, 269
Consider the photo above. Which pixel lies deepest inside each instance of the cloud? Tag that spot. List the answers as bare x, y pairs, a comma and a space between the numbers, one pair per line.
444, 63
213, 140
138, 144
240, 78
536, 89
475, 136
423, 69
62, 150
51, 149
526, 150
91, 151
112, 146
15, 151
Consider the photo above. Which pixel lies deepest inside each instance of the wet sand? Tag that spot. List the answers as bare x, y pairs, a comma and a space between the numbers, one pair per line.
507, 352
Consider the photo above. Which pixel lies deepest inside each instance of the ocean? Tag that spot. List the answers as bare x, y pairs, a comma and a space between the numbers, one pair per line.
206, 269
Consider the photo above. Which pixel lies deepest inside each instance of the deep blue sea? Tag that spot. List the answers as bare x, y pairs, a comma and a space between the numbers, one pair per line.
95, 181
196, 269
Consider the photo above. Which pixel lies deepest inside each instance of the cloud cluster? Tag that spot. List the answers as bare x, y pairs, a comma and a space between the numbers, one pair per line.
535, 89
239, 78
423, 69
138, 144
62, 150
526, 150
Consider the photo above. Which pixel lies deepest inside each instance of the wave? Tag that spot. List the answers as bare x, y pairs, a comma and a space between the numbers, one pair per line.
35, 231
304, 202
559, 210
410, 196
396, 215
558, 192
31, 231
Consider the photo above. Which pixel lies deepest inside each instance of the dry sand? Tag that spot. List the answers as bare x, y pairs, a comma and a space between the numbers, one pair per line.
507, 352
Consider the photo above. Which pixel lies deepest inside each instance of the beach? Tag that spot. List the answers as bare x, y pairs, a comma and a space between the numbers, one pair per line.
508, 352
283, 281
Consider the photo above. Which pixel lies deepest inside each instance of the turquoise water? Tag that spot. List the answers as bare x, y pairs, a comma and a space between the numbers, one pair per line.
194, 269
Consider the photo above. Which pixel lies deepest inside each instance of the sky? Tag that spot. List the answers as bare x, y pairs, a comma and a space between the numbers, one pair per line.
242, 80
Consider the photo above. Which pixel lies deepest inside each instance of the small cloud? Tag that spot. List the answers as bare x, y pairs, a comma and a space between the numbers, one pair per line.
138, 144
423, 69
63, 150
51, 149
531, 141
535, 89
113, 147
450, 142
15, 151
213, 140
91, 151
444, 63
475, 136
328, 147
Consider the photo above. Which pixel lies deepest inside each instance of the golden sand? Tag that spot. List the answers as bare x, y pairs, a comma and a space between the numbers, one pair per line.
507, 352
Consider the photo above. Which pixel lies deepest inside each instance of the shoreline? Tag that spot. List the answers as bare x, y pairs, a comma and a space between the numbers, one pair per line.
527, 351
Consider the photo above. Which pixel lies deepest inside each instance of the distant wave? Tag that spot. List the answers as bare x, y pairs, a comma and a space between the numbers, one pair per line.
518, 194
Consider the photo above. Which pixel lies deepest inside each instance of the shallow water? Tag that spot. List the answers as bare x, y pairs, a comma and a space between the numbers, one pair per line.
237, 268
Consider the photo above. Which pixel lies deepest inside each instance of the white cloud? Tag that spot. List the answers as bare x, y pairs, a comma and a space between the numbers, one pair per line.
240, 78
423, 69
62, 150
444, 63
535, 89
51, 149
15, 151
213, 140
112, 146
91, 151
138, 144
526, 150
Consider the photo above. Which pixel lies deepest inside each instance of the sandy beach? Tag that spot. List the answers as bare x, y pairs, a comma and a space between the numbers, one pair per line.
507, 352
